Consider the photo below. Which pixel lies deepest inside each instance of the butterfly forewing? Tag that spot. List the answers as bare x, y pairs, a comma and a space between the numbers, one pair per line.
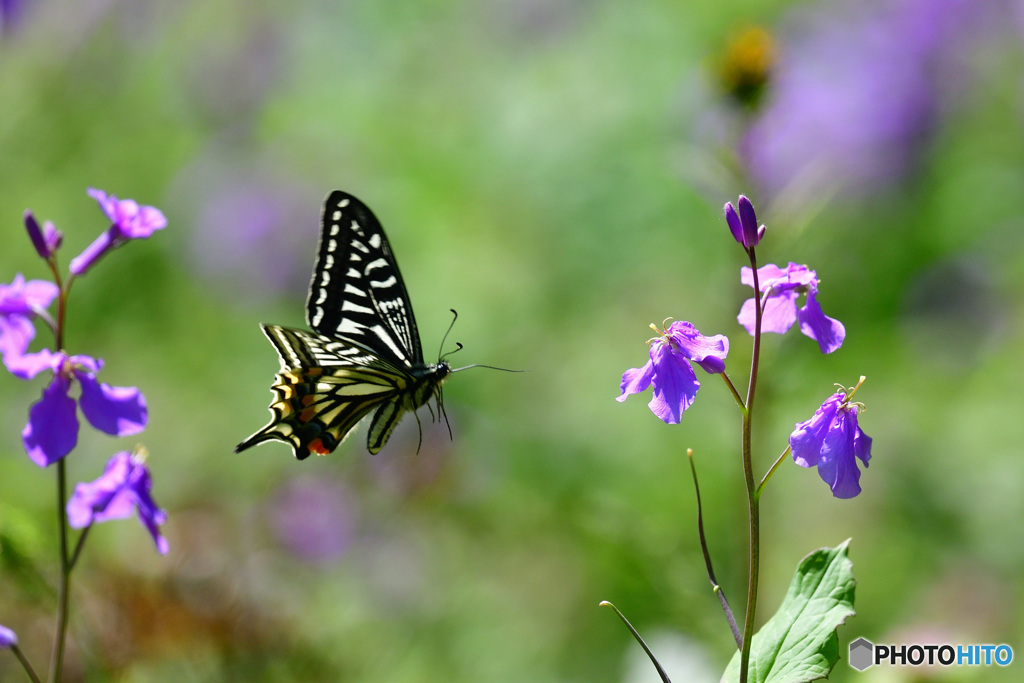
357, 291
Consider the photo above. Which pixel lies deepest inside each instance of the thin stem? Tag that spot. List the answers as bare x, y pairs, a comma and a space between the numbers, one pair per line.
753, 509
735, 394
63, 597
715, 586
771, 470
25, 663
78, 547
57, 660
654, 660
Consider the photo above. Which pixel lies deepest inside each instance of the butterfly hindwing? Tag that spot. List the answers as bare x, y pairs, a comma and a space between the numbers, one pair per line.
320, 395
364, 354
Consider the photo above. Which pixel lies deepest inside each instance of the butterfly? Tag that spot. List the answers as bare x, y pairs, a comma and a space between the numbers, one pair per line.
363, 355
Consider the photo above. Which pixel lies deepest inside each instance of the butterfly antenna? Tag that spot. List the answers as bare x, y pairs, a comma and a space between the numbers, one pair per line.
489, 367
455, 316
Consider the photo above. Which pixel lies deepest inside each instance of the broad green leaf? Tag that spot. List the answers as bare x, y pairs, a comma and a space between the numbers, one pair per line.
799, 643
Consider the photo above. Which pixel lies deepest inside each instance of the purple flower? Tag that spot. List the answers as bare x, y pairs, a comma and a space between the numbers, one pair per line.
129, 221
46, 240
782, 287
18, 302
8, 638
857, 93
11, 12
832, 441
744, 225
52, 429
313, 518
123, 486
669, 369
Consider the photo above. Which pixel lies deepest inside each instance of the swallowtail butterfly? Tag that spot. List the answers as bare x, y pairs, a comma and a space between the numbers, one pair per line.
363, 355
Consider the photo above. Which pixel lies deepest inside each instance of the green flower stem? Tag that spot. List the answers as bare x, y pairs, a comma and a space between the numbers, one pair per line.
57, 660
754, 513
715, 586
735, 394
25, 663
771, 470
654, 660
78, 547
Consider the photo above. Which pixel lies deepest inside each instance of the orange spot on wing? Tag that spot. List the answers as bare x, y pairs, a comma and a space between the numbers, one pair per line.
317, 446
307, 414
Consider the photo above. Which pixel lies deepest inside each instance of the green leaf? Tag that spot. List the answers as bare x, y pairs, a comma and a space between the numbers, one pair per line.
800, 642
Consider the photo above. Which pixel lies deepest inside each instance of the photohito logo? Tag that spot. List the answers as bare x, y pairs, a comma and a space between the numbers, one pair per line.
864, 653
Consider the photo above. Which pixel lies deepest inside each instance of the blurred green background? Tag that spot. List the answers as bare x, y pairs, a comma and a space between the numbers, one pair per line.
555, 171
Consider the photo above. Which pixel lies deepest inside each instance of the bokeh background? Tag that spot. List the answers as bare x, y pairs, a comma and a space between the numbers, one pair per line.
555, 171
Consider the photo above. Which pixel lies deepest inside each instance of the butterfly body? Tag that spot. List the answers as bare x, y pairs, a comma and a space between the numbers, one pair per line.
363, 356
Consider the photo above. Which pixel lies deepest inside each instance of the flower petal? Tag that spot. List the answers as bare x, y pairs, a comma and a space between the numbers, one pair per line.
150, 514
748, 219
778, 316
27, 366
123, 487
861, 441
636, 380
733, 220
23, 297
8, 638
766, 275
828, 332
101, 245
675, 384
838, 467
708, 352
808, 436
16, 332
52, 429
99, 495
119, 411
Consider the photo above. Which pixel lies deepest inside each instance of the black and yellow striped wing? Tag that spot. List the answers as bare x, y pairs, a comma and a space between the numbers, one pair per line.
364, 355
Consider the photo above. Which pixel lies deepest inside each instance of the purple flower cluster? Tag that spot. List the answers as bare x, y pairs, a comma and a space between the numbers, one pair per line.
52, 429
831, 440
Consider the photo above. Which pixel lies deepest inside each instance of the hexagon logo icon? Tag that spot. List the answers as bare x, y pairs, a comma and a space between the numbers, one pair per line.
861, 654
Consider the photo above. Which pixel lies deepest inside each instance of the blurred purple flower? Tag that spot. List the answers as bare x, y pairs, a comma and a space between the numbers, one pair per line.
129, 221
855, 93
46, 240
312, 518
669, 369
832, 441
743, 225
123, 487
7, 637
11, 12
237, 237
780, 312
18, 302
52, 429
